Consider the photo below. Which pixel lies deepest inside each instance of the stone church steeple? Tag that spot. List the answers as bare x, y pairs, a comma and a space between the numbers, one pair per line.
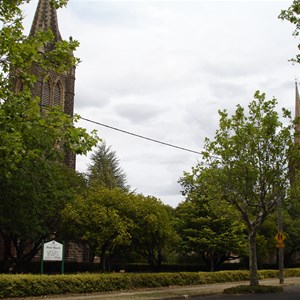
297, 115
52, 88
45, 18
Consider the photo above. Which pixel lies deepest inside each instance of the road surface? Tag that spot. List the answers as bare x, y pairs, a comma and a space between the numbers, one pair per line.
290, 293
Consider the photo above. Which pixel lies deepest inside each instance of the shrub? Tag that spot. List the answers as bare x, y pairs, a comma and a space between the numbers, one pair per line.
41, 285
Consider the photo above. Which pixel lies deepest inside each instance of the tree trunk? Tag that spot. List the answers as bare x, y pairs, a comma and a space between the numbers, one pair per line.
91, 255
212, 262
103, 262
209, 260
253, 259
159, 259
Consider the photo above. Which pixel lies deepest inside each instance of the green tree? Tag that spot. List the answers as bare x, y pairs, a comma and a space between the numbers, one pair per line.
248, 159
19, 112
207, 225
111, 220
292, 14
32, 145
291, 216
291, 227
153, 234
32, 199
99, 217
105, 170
290, 222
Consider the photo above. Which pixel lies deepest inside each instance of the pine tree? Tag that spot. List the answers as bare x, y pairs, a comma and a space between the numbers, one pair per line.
105, 169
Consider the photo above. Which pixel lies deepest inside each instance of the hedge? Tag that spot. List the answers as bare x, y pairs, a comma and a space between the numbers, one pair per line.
42, 285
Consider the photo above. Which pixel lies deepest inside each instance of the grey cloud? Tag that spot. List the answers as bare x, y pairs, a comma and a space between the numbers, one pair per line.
163, 69
229, 90
138, 113
168, 189
228, 69
106, 13
91, 98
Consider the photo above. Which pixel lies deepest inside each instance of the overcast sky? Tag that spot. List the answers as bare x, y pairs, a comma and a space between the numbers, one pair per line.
162, 69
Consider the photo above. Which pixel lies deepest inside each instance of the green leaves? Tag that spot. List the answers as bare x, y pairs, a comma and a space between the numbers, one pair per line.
100, 218
205, 222
105, 170
292, 14
251, 153
59, 3
110, 218
33, 143
24, 131
247, 166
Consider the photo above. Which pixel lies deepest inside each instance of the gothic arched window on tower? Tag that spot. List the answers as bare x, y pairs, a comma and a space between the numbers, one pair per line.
46, 94
57, 95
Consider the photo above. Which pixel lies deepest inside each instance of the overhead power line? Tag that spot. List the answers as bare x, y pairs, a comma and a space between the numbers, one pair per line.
140, 136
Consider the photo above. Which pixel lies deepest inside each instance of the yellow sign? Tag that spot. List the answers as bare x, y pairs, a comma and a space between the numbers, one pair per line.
279, 237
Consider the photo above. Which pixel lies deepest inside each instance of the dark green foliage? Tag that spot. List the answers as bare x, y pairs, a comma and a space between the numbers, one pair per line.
40, 285
152, 234
105, 170
34, 184
111, 219
99, 217
33, 197
209, 226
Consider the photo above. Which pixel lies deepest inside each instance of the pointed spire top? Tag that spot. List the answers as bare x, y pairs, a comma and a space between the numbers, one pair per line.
297, 114
297, 101
45, 18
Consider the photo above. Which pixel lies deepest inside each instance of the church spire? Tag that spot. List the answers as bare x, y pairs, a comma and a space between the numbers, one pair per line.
53, 88
45, 18
297, 114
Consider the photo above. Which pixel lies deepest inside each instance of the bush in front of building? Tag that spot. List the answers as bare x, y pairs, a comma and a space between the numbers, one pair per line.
40, 285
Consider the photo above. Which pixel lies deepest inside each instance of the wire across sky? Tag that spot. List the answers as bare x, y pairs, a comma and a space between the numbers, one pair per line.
140, 136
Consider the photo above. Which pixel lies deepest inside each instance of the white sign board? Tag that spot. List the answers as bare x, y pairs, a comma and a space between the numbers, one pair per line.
53, 251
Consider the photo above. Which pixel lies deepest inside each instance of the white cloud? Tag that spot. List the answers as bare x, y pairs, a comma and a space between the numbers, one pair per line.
162, 69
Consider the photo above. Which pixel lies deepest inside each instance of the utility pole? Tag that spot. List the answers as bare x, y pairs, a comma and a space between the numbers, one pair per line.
280, 245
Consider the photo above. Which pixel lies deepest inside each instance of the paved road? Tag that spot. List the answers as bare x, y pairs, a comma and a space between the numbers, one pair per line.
290, 293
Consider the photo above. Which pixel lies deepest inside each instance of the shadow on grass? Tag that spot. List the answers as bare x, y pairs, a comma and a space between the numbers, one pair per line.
259, 289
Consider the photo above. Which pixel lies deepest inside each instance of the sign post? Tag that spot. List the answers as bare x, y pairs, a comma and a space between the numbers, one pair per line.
63, 259
42, 261
280, 238
52, 251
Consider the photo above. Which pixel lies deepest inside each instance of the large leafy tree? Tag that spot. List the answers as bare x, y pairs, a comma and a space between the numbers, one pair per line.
32, 145
153, 234
110, 220
105, 169
248, 159
32, 199
99, 217
207, 225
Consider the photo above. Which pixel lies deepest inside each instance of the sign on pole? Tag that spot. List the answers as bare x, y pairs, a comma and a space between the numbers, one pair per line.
280, 238
53, 251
